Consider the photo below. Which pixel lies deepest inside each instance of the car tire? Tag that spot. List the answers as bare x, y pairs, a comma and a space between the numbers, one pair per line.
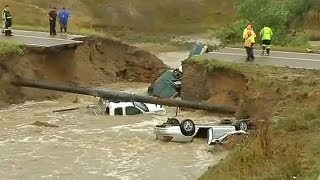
187, 127
242, 125
173, 121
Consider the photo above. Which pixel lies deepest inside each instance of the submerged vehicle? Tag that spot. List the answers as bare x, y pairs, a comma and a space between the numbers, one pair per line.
187, 130
199, 49
126, 108
168, 85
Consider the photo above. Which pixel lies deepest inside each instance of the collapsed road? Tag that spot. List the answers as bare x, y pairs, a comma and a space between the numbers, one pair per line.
123, 97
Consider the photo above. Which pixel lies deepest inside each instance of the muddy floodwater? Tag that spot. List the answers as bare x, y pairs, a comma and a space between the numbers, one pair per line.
88, 146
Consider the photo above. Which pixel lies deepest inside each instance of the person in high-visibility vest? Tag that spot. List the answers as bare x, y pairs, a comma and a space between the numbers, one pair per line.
249, 43
245, 31
266, 36
7, 19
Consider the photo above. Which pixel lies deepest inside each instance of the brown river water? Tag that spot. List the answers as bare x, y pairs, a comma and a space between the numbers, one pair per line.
89, 146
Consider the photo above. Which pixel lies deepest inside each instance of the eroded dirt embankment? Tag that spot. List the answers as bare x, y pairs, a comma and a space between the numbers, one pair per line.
284, 104
260, 93
96, 62
226, 87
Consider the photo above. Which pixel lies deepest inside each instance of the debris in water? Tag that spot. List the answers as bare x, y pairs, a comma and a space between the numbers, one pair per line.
76, 100
63, 110
43, 124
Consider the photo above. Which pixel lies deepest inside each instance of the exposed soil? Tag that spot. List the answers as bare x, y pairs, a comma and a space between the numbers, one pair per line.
226, 87
257, 95
96, 62
218, 87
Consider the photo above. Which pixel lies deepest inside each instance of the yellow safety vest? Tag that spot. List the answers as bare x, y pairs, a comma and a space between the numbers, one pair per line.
250, 38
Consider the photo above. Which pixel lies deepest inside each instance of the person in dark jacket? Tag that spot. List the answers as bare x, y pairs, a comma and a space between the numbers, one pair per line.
52, 21
7, 19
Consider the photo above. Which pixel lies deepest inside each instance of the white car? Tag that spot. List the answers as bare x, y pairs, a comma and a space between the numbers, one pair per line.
128, 108
186, 131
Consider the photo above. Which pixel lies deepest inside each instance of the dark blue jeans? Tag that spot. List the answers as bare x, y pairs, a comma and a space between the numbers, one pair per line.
63, 26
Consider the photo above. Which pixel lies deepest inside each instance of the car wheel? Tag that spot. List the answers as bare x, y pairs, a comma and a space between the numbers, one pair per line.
187, 127
242, 125
173, 121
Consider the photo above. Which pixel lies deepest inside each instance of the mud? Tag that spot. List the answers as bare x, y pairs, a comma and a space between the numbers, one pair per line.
87, 146
246, 92
222, 87
96, 62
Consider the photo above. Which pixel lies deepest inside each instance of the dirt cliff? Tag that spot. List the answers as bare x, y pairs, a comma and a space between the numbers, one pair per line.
96, 62
284, 104
223, 87
259, 94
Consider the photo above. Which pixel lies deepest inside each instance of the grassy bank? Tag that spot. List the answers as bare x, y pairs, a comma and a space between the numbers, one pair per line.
9, 48
180, 16
287, 105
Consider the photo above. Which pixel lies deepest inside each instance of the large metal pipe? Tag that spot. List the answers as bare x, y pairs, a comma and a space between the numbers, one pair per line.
123, 97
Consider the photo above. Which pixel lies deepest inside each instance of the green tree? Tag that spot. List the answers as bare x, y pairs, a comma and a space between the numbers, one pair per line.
262, 12
285, 17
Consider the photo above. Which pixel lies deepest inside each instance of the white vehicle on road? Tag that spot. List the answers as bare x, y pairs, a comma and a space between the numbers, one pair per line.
127, 108
187, 130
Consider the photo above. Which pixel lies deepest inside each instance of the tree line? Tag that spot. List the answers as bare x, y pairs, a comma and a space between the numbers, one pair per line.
285, 17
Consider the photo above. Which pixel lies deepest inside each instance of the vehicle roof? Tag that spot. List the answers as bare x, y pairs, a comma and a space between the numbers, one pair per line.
120, 104
125, 104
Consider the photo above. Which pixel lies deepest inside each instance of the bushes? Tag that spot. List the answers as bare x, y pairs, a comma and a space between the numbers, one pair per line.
7, 47
231, 34
285, 18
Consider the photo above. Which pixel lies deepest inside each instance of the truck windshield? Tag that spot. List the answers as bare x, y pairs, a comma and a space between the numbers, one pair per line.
141, 106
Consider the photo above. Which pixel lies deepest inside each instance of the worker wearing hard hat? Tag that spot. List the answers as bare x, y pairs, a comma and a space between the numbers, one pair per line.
266, 36
249, 42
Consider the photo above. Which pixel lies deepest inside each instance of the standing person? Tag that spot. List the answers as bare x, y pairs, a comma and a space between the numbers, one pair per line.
245, 31
52, 21
7, 19
64, 16
249, 43
266, 36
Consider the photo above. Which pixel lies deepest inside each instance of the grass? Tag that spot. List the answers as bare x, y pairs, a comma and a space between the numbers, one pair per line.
137, 21
153, 16
9, 48
286, 150
287, 144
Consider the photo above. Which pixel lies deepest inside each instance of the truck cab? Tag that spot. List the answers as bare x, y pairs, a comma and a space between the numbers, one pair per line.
128, 108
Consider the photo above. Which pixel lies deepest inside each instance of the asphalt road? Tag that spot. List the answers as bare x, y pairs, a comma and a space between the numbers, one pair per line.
41, 39
276, 58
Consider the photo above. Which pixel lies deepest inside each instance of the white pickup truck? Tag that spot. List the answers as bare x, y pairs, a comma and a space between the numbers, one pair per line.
127, 108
